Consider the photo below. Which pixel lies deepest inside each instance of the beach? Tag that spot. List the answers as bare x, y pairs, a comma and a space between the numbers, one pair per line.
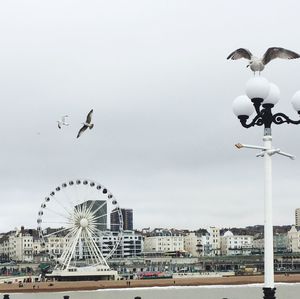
119, 284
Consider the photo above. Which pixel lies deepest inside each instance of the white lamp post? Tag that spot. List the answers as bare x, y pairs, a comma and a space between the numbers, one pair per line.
263, 96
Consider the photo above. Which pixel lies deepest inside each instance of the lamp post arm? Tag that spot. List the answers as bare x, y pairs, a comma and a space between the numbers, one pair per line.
257, 120
280, 118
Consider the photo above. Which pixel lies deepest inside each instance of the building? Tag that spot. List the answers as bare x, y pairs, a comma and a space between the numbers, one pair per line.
214, 240
127, 215
297, 217
293, 239
131, 244
280, 243
198, 244
164, 241
236, 245
4, 248
191, 244
205, 247
55, 245
17, 245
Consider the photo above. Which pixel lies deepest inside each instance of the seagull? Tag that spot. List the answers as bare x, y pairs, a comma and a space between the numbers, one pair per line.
258, 64
86, 124
62, 122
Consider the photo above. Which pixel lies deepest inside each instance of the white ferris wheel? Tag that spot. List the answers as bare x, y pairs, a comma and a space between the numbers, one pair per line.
87, 217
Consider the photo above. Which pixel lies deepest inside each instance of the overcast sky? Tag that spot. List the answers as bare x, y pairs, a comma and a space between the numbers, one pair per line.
156, 75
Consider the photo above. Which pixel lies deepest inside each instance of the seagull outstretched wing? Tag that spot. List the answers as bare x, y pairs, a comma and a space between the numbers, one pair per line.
240, 53
83, 128
89, 117
276, 52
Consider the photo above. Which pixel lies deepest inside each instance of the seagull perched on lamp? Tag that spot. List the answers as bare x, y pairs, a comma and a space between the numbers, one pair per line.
258, 64
86, 124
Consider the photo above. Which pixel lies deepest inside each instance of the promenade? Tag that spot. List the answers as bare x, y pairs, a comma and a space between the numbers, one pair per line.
94, 285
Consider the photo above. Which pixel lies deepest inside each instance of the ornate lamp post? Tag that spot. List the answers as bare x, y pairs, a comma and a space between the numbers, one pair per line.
261, 97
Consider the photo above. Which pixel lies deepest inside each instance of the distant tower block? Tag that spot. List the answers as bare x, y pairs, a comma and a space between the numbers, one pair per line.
127, 215
297, 217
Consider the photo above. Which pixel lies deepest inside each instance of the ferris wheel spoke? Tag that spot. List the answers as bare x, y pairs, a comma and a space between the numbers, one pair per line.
98, 223
71, 202
57, 213
89, 210
88, 196
98, 217
60, 204
78, 201
106, 246
92, 252
66, 253
96, 247
101, 206
57, 232
60, 222
73, 247
71, 233
85, 208
94, 227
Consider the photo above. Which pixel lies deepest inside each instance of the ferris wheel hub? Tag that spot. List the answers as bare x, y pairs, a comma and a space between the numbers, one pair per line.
84, 222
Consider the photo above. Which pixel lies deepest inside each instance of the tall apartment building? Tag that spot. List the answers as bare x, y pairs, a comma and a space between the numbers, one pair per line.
297, 217
214, 240
127, 215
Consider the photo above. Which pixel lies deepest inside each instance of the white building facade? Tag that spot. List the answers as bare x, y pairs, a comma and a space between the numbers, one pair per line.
236, 245
214, 240
164, 243
17, 246
192, 244
130, 245
293, 240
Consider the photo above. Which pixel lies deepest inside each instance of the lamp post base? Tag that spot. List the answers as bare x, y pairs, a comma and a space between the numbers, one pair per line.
269, 293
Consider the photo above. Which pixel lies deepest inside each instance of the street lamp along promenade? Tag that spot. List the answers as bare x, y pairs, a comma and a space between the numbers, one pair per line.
261, 97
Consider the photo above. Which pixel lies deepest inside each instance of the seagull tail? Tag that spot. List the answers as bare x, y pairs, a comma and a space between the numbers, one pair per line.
91, 126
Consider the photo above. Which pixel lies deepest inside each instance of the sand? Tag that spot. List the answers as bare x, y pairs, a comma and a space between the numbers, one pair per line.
94, 285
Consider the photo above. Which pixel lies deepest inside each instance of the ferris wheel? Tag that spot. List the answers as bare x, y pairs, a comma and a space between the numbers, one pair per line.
88, 220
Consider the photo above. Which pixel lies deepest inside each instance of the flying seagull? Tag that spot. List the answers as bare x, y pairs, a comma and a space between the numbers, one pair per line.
62, 122
86, 124
258, 64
